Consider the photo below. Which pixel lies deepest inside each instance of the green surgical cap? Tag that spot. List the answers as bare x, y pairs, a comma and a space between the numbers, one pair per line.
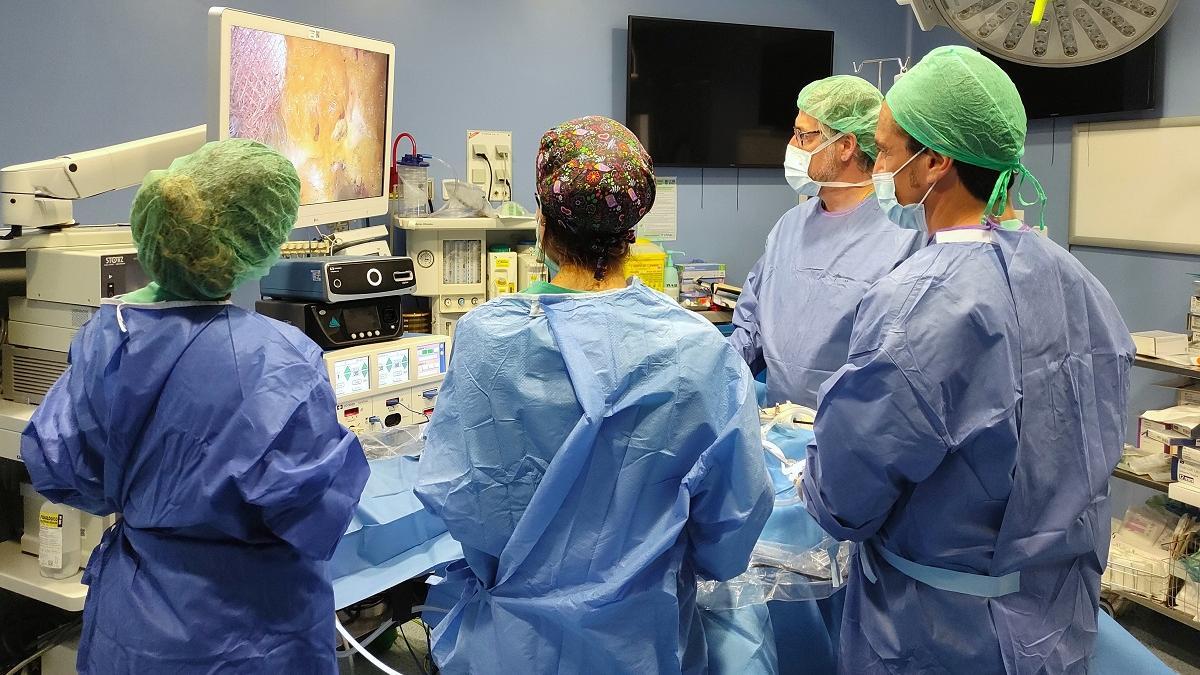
959, 103
216, 218
847, 104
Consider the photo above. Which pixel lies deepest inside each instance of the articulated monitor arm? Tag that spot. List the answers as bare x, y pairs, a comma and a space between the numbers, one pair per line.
40, 194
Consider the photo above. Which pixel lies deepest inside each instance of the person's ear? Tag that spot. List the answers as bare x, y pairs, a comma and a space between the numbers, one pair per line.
936, 166
847, 147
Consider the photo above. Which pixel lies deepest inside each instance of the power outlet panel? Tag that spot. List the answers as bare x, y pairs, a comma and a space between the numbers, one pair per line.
494, 174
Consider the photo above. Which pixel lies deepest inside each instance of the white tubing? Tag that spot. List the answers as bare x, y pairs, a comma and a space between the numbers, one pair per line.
421, 609
378, 631
363, 650
776, 452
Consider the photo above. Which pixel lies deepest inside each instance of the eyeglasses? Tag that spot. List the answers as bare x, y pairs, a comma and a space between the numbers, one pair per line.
800, 134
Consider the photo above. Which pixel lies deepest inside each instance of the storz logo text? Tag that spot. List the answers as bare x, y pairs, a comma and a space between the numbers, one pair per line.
114, 260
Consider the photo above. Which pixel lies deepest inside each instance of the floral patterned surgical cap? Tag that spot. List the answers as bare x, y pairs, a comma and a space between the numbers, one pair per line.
594, 178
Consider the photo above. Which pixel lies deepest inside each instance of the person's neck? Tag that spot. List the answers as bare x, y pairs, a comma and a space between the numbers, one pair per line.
838, 199
956, 208
580, 279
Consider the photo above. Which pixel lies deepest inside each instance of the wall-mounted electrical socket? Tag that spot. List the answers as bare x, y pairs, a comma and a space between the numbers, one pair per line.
489, 163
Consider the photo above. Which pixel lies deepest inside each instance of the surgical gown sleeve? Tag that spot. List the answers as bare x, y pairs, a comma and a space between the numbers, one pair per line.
312, 470
745, 337
63, 447
875, 433
58, 450
731, 493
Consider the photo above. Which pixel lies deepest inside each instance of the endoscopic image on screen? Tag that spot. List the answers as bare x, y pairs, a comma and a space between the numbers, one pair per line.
322, 106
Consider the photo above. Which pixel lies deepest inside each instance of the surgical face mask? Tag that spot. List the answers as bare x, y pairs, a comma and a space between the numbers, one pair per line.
795, 168
907, 216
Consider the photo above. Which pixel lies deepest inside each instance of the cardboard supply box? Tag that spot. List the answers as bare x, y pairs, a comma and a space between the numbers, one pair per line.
1179, 421
1160, 343
1189, 395
1187, 454
1186, 472
1185, 390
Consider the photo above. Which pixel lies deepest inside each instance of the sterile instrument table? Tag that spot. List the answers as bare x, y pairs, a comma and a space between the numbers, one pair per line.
391, 538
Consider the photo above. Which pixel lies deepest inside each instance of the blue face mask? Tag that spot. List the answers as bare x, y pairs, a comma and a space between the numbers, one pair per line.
907, 216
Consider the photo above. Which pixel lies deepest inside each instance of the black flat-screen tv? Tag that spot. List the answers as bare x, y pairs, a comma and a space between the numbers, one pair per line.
704, 94
1124, 84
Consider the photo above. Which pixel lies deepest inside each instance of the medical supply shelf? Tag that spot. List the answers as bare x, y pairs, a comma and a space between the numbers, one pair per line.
19, 574
1173, 492
1177, 491
1165, 366
1144, 481
1150, 588
19, 571
1169, 612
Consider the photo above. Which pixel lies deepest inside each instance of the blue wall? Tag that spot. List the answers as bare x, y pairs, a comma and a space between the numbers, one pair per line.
80, 75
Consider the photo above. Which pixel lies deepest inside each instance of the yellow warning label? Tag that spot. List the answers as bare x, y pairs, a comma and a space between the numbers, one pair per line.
50, 520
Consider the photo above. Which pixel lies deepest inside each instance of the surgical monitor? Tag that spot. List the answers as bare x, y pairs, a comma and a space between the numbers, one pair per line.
322, 99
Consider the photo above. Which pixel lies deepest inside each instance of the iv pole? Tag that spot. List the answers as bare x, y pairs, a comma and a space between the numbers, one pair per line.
879, 63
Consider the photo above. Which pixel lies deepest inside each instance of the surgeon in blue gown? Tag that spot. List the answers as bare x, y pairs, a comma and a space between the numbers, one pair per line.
595, 447
212, 432
792, 323
794, 315
968, 442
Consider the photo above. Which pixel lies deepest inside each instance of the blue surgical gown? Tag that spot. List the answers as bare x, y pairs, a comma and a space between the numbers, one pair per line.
794, 316
593, 454
974, 429
213, 432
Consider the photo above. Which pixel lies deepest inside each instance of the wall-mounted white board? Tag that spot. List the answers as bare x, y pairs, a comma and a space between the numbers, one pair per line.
1137, 185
